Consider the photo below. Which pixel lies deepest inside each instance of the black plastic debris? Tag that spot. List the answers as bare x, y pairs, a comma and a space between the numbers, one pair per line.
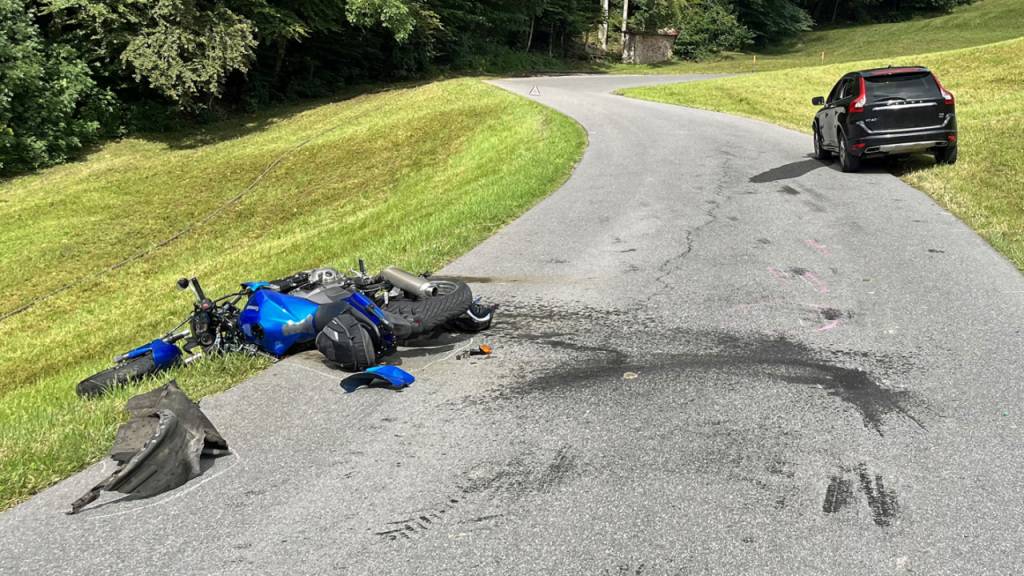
159, 448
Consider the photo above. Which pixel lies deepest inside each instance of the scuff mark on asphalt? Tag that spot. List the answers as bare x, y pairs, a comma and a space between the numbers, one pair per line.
883, 503
778, 357
837, 495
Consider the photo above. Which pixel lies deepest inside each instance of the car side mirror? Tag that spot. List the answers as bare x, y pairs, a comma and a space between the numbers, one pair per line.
818, 100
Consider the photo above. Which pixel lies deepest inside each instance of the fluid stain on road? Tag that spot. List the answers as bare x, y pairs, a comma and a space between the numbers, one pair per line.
779, 358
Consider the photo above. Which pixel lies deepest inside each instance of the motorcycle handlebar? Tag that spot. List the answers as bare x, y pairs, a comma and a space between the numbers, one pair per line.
194, 282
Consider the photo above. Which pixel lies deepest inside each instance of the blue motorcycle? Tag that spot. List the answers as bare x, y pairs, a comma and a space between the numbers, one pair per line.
354, 321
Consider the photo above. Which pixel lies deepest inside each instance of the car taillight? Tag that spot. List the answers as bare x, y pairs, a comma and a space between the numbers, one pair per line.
862, 97
947, 96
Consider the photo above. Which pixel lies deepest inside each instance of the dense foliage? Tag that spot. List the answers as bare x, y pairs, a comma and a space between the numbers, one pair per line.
710, 27
49, 103
72, 71
862, 11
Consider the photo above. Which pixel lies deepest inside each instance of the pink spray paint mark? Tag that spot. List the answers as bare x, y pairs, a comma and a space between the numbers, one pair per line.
829, 326
778, 274
815, 282
821, 248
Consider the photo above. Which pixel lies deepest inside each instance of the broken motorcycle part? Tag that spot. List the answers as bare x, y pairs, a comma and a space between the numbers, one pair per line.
159, 447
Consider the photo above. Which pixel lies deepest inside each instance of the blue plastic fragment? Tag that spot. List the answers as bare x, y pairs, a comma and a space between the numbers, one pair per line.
395, 376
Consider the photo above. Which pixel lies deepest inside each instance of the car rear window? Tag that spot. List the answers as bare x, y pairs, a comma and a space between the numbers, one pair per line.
918, 86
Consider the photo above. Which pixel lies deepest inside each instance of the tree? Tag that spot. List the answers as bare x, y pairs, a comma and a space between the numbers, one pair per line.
708, 27
186, 53
49, 105
772, 21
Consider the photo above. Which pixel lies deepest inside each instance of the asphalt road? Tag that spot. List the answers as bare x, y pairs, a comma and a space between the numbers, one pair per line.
715, 355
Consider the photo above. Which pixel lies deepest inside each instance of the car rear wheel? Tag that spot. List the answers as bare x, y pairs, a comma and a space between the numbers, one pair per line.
847, 161
946, 155
819, 150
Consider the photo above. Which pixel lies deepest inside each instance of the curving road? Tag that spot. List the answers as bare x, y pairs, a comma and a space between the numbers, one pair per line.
715, 356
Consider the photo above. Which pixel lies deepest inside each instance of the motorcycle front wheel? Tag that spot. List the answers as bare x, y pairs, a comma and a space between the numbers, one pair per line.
124, 373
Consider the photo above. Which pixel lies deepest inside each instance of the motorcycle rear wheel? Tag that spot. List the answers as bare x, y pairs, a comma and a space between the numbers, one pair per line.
124, 373
428, 313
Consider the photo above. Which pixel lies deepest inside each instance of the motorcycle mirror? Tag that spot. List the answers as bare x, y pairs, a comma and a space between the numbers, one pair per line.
182, 283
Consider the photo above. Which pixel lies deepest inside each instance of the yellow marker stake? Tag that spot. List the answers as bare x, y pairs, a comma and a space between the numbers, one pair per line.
822, 56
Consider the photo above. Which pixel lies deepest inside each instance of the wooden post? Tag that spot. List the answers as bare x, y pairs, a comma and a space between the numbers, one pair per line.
625, 16
604, 25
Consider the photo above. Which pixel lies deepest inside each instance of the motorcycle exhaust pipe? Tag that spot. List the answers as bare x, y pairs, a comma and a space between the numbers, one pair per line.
417, 285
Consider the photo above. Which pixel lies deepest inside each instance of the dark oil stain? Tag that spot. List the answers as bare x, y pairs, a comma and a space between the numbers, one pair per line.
732, 218
627, 250
936, 251
837, 495
557, 261
789, 190
883, 503
780, 358
764, 241
799, 271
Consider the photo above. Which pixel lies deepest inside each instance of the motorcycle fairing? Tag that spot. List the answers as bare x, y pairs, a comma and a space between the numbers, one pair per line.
164, 354
159, 448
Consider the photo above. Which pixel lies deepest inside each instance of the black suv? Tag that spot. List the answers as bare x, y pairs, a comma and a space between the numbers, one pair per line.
885, 111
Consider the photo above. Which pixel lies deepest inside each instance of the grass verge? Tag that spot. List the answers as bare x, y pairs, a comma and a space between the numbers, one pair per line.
412, 176
985, 188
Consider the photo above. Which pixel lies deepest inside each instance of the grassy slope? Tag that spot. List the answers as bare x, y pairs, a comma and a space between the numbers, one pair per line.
984, 22
985, 188
412, 176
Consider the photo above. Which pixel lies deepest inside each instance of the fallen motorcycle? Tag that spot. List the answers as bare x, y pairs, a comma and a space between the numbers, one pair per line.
354, 321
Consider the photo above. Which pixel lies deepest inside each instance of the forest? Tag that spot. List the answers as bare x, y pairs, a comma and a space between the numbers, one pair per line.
74, 72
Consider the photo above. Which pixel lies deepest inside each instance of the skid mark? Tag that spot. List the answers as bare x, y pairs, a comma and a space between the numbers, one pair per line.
837, 495
487, 485
881, 501
409, 528
419, 523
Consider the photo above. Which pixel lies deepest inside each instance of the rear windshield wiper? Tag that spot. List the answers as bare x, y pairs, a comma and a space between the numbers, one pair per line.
885, 97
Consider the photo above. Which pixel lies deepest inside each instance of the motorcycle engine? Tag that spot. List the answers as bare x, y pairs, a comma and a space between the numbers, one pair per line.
324, 275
